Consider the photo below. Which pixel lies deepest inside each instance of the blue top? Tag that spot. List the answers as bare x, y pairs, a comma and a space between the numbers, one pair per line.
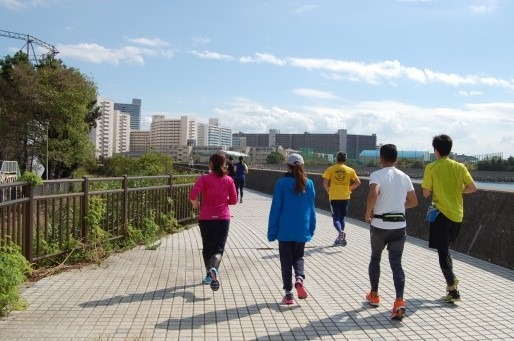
292, 216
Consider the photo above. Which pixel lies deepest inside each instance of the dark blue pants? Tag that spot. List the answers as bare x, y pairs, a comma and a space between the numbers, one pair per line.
339, 211
291, 258
444, 231
240, 184
395, 241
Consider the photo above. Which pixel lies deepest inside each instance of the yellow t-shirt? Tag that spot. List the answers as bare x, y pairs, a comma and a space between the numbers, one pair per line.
446, 178
339, 176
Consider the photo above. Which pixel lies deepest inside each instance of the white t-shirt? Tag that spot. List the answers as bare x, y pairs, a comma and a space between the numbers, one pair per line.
393, 188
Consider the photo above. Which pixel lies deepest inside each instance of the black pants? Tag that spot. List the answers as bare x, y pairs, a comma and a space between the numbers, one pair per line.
291, 257
395, 242
240, 184
214, 237
444, 231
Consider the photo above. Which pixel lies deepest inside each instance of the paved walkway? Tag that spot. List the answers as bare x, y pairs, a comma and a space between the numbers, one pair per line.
158, 295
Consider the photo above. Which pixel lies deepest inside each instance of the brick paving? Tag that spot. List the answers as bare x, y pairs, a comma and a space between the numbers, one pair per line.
157, 294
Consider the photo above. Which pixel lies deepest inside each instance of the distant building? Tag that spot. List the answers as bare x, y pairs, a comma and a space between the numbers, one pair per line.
166, 134
140, 141
111, 134
213, 134
317, 143
134, 110
374, 155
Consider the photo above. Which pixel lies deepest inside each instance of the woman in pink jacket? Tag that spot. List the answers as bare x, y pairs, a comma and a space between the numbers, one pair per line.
218, 191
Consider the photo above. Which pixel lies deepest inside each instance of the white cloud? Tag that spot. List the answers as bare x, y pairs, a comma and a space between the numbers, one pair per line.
408, 126
212, 55
306, 8
484, 6
314, 93
96, 53
155, 42
263, 58
21, 4
470, 93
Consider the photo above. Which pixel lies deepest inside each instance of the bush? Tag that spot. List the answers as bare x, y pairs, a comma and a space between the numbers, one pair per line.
14, 269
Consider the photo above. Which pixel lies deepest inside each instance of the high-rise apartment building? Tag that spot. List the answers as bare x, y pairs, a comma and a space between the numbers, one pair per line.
213, 134
139, 141
112, 132
166, 134
134, 110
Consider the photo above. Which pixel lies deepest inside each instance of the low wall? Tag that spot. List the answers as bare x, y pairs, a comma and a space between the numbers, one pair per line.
487, 231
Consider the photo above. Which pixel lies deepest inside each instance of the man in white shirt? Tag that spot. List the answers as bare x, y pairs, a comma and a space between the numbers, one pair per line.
390, 193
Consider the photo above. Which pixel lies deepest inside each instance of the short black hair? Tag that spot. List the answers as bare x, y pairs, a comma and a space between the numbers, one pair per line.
443, 144
341, 157
240, 158
388, 152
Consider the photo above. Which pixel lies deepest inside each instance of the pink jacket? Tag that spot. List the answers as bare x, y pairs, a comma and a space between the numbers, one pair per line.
217, 194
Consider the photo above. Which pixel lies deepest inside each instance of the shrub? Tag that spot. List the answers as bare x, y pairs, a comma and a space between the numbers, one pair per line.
14, 269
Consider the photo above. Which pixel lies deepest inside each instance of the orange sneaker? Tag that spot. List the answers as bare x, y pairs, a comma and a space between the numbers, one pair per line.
373, 300
398, 309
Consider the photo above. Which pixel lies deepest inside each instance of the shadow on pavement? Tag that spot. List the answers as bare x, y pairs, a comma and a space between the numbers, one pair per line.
162, 294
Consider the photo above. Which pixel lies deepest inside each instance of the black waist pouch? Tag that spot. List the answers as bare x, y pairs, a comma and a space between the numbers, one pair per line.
394, 217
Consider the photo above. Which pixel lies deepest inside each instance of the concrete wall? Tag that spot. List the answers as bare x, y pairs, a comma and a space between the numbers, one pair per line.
487, 231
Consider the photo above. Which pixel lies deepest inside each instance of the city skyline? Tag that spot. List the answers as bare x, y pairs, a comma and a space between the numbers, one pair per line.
405, 70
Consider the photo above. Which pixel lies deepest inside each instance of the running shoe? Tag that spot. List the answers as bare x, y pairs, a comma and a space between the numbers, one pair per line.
300, 289
373, 300
452, 296
288, 298
215, 279
398, 311
340, 240
207, 279
455, 282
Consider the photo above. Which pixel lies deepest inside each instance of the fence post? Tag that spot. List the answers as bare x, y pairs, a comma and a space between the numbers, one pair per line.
125, 208
170, 192
84, 210
29, 223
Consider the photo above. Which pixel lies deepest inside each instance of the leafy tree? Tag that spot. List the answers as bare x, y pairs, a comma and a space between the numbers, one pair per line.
151, 163
275, 158
46, 110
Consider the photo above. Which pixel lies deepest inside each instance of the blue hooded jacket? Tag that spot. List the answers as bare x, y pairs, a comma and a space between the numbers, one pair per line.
292, 215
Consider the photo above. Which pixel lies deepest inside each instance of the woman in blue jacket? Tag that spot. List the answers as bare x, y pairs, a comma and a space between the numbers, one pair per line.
292, 221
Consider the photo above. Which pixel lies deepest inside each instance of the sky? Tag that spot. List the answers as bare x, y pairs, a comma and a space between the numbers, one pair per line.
405, 70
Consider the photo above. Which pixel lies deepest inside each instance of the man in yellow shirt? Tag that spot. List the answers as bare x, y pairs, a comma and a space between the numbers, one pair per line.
339, 181
446, 180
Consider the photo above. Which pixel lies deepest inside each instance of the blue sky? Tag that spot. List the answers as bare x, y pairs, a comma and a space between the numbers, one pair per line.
405, 70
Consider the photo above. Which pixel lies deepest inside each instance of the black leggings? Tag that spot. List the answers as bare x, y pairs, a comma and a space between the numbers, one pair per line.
214, 236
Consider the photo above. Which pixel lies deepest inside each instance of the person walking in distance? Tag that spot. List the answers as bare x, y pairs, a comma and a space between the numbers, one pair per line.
446, 181
230, 167
339, 181
241, 169
390, 193
292, 221
218, 192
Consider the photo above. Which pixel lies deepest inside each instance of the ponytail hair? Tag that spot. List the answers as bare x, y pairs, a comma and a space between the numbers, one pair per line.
218, 166
299, 176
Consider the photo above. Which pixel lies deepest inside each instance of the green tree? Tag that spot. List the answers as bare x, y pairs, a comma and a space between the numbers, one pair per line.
53, 108
275, 158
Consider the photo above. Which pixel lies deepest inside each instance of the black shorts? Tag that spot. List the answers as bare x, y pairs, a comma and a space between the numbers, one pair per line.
443, 231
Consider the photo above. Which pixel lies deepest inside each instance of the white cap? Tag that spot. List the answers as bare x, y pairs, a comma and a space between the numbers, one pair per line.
294, 158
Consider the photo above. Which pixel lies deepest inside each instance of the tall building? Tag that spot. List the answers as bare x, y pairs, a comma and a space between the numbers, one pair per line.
139, 141
112, 133
213, 134
134, 110
166, 134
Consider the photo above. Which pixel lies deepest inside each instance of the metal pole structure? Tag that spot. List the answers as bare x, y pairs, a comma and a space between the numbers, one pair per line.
46, 170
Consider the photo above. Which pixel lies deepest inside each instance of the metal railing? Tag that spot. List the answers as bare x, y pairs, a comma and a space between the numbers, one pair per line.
44, 220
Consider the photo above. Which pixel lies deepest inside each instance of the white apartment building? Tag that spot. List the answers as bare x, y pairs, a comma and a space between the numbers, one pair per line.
121, 132
112, 132
166, 134
213, 134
